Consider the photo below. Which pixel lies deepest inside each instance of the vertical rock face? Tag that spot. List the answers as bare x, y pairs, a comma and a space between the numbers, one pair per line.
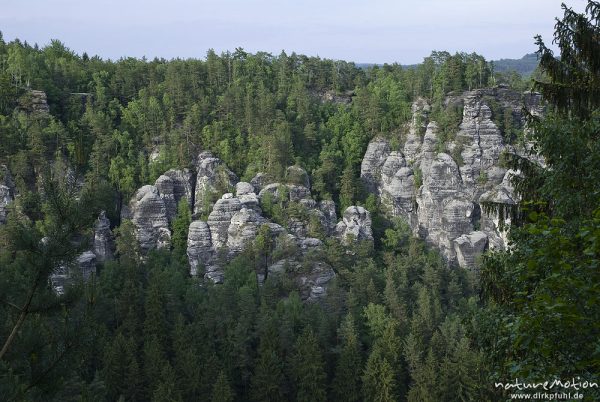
86, 262
5, 199
183, 184
370, 168
103, 239
173, 186
220, 218
397, 185
35, 101
149, 215
468, 247
7, 190
212, 177
355, 224
199, 246
164, 185
446, 209
235, 219
82, 268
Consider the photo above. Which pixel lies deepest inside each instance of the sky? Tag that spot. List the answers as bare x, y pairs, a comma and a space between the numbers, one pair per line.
363, 31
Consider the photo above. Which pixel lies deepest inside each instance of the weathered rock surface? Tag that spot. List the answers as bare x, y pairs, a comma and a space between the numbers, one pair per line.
82, 268
103, 239
355, 225
469, 246
370, 168
5, 199
446, 208
149, 215
297, 175
199, 246
183, 185
7, 192
212, 177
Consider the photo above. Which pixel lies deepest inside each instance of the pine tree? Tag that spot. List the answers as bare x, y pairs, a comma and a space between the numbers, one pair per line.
222, 392
308, 369
348, 188
166, 390
379, 379
268, 378
346, 383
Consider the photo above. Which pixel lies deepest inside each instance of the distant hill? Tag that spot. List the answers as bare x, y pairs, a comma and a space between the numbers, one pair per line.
524, 66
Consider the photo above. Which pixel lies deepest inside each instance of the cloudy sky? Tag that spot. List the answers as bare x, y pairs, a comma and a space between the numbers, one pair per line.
376, 31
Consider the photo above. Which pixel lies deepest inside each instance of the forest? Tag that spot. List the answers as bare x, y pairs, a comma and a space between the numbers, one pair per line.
398, 322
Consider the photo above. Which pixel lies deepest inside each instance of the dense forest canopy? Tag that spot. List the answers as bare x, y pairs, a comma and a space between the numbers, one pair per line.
79, 135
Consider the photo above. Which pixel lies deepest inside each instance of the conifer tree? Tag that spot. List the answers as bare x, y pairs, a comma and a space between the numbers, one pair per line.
308, 369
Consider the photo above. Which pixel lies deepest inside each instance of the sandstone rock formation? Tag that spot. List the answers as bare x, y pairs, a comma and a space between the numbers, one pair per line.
212, 177
103, 239
355, 225
7, 192
439, 188
148, 213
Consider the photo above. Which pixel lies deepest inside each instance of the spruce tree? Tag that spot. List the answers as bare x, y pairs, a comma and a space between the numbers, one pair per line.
308, 369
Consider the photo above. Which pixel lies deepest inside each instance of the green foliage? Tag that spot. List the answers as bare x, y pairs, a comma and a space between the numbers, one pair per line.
539, 319
145, 330
181, 224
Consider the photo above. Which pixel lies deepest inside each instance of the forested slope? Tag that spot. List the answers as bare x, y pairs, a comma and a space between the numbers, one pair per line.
264, 153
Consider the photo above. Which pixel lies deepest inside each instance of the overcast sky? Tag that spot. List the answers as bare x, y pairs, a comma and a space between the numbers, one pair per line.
376, 31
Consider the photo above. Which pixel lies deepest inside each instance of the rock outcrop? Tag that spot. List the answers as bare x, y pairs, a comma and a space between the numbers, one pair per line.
438, 188
83, 268
103, 239
234, 221
7, 192
148, 212
355, 225
212, 177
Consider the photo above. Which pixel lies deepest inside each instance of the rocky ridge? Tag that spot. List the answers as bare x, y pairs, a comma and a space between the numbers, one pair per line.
439, 190
224, 228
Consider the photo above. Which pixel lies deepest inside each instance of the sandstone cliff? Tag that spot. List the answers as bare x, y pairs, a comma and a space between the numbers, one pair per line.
438, 187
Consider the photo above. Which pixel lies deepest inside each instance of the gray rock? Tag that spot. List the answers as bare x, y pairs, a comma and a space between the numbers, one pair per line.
212, 177
297, 175
260, 181
149, 216
220, 218
5, 199
103, 239
329, 220
243, 188
355, 225
447, 206
370, 168
84, 267
294, 192
183, 184
165, 186
243, 229
397, 186
468, 246
86, 263
199, 247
